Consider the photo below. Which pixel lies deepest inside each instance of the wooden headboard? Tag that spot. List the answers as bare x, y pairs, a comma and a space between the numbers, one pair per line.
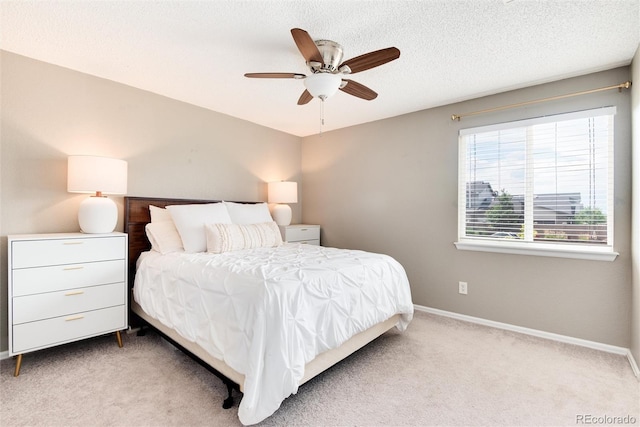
137, 216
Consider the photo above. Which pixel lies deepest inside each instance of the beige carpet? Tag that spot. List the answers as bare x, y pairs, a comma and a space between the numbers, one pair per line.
439, 372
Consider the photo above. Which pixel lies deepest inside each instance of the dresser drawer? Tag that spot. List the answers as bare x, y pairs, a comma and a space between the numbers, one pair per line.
45, 333
299, 234
38, 253
54, 304
29, 281
307, 242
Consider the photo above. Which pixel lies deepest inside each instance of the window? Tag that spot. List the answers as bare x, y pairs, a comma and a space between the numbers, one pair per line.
540, 186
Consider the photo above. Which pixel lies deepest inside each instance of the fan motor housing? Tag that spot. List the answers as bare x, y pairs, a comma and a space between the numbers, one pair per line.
331, 53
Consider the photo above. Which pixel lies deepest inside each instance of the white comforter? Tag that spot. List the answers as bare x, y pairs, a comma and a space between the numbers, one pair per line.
267, 312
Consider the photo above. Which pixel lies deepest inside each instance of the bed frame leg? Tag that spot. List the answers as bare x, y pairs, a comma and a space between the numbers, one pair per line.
228, 402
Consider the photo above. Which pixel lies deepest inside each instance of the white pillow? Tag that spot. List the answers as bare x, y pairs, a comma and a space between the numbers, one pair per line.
164, 237
190, 221
248, 213
159, 214
234, 237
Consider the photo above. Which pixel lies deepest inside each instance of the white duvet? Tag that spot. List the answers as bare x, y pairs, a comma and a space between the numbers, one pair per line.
268, 311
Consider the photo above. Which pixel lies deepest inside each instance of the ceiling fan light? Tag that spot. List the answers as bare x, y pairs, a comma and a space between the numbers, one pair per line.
322, 85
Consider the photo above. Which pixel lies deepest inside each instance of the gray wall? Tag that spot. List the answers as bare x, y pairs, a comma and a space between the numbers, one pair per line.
635, 101
391, 186
173, 149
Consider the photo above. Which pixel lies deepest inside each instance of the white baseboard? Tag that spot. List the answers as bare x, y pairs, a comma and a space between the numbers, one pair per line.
4, 355
537, 333
634, 365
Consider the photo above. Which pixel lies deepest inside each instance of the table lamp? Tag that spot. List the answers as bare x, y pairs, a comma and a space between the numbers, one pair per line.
282, 192
99, 175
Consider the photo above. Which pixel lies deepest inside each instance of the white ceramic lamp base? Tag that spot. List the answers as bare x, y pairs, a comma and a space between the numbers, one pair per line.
97, 215
281, 214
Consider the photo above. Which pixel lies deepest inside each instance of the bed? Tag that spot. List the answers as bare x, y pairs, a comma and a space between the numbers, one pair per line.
265, 318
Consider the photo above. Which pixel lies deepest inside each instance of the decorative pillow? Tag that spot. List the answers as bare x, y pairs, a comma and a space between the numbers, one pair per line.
190, 221
234, 237
159, 214
248, 213
164, 237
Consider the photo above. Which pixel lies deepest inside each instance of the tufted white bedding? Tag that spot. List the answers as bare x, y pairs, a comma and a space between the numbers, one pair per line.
266, 312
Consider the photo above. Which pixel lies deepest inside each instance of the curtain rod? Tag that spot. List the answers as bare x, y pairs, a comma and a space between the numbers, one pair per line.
625, 85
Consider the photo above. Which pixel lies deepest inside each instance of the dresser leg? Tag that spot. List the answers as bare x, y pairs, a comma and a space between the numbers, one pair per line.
119, 338
18, 364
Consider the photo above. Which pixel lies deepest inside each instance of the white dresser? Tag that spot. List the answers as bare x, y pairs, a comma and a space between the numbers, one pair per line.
301, 233
65, 287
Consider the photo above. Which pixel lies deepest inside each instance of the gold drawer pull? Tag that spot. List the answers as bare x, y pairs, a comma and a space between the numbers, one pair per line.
73, 243
79, 267
78, 317
303, 229
68, 294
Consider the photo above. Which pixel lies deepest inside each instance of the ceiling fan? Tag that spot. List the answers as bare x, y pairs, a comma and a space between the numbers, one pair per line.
324, 58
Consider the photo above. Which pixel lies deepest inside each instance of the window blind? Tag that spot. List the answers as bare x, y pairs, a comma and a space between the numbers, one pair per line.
546, 180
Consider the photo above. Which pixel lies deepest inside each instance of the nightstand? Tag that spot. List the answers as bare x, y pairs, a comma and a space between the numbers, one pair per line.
301, 233
65, 287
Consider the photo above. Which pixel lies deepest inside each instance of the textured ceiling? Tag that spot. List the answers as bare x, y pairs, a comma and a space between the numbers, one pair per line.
198, 51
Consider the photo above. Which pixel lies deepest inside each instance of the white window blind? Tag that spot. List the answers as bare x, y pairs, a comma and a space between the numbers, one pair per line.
546, 182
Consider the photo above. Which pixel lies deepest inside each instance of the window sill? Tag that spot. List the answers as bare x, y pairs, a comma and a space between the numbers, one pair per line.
522, 248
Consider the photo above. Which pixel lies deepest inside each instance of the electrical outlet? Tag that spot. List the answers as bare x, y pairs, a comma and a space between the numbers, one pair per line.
462, 288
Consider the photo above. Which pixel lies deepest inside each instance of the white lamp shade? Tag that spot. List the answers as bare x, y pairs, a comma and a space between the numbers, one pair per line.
322, 85
92, 174
283, 192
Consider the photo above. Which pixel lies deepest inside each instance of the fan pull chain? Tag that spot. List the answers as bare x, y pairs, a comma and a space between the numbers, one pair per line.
321, 116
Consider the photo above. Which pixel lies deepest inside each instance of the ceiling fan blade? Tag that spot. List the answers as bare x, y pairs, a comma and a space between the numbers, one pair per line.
359, 90
275, 75
306, 45
305, 98
371, 59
